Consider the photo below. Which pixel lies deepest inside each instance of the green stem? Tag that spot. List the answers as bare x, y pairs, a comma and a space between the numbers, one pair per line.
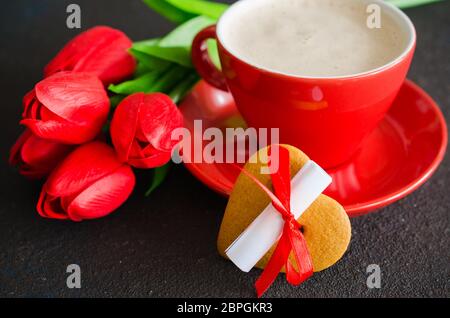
404, 4
169, 80
179, 91
159, 175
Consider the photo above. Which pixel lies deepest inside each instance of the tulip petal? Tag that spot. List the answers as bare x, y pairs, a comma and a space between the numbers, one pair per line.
75, 97
136, 150
124, 124
141, 129
103, 196
159, 116
29, 97
81, 168
113, 63
101, 50
78, 49
50, 207
62, 131
28, 100
147, 157
42, 153
157, 160
36, 157
35, 110
33, 173
14, 155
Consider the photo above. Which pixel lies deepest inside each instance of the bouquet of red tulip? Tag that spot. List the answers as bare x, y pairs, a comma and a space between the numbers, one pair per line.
65, 116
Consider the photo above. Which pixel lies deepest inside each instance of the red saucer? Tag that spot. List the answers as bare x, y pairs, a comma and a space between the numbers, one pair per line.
396, 159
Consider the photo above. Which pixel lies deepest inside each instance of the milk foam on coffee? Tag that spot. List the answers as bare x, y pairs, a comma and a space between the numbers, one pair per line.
312, 38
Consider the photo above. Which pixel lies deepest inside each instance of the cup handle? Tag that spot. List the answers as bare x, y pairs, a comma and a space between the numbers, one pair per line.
202, 62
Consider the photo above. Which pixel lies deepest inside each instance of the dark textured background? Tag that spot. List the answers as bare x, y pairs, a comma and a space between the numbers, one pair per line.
165, 245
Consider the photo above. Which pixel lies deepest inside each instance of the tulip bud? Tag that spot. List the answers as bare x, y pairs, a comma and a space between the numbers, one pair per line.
90, 183
141, 129
66, 107
102, 51
36, 157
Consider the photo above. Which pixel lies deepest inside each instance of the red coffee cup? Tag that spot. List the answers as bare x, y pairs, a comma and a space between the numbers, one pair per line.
326, 117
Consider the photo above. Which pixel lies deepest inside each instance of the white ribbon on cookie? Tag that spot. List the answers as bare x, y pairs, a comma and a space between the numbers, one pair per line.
266, 229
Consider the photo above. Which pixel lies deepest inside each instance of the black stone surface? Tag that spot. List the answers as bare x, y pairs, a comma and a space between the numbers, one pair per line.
165, 245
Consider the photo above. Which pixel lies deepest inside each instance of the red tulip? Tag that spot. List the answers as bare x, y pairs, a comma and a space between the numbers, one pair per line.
90, 183
37, 157
101, 50
141, 129
66, 107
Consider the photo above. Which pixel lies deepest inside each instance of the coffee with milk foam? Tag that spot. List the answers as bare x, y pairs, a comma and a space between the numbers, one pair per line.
312, 38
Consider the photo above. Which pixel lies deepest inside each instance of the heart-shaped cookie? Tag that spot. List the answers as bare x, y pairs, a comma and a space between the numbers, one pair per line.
326, 226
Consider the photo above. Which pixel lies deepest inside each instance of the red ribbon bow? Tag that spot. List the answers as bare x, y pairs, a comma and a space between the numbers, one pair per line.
292, 239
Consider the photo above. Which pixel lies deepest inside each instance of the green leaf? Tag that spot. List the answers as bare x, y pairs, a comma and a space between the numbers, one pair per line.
172, 54
140, 84
200, 7
404, 4
169, 79
214, 53
178, 55
179, 92
148, 61
141, 69
155, 81
185, 33
176, 46
116, 99
179, 11
141, 45
159, 175
105, 127
168, 11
